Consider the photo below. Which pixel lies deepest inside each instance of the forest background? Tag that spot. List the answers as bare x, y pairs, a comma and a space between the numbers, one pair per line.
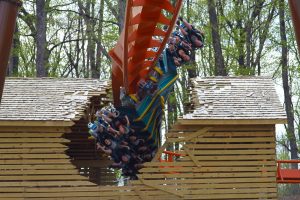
71, 38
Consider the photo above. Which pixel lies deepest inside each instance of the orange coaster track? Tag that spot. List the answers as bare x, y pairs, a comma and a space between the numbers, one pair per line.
141, 42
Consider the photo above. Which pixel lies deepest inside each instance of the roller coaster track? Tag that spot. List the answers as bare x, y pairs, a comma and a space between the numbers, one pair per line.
148, 25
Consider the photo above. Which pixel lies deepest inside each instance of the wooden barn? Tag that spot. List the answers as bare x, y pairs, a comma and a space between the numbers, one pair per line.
44, 134
226, 143
228, 140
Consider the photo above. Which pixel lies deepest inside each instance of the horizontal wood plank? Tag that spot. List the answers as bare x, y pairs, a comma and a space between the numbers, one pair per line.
42, 177
171, 168
31, 135
33, 140
231, 157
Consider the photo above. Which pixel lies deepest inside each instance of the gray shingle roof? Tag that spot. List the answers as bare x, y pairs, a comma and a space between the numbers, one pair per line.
235, 98
47, 98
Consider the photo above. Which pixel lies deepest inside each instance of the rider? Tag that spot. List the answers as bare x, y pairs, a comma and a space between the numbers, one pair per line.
191, 34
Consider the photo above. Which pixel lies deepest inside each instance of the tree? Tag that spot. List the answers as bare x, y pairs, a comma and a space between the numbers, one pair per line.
287, 91
121, 13
286, 86
219, 59
100, 48
118, 13
14, 58
247, 23
41, 42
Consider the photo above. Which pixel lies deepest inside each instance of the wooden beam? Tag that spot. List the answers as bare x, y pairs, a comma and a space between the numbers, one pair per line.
36, 123
39, 177
91, 163
34, 129
161, 188
230, 121
20, 167
194, 159
46, 183
192, 169
210, 176
140, 194
159, 152
228, 128
31, 135
191, 136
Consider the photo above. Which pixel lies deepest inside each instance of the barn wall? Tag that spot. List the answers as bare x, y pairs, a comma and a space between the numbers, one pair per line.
32, 157
217, 162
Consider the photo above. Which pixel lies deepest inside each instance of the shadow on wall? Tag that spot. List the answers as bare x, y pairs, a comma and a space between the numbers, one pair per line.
89, 161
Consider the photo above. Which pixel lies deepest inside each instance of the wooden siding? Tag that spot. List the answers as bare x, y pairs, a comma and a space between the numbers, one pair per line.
219, 162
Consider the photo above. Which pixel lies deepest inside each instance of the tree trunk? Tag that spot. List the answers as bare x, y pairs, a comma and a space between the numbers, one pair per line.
121, 16
285, 81
219, 59
188, 5
91, 42
257, 7
241, 36
85, 63
248, 44
263, 34
99, 40
14, 58
41, 43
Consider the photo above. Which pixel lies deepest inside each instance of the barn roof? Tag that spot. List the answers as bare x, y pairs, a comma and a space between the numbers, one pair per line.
233, 98
45, 99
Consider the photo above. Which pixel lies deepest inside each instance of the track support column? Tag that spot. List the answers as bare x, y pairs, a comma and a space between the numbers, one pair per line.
8, 15
295, 11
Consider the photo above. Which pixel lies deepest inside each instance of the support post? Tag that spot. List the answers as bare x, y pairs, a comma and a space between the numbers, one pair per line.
8, 15
295, 12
